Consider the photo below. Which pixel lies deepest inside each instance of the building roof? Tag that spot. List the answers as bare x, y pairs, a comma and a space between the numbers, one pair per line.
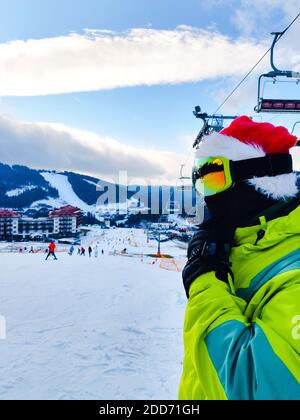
8, 213
69, 211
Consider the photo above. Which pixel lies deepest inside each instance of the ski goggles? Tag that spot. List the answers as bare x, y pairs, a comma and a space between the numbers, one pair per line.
213, 175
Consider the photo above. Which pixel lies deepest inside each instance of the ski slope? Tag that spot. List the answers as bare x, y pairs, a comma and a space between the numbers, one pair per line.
65, 191
91, 328
18, 191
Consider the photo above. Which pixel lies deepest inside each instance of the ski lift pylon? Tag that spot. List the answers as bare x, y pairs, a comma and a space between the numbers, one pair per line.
210, 123
277, 105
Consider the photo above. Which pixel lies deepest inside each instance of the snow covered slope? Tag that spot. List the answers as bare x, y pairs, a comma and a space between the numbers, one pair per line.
65, 190
25, 188
90, 328
18, 191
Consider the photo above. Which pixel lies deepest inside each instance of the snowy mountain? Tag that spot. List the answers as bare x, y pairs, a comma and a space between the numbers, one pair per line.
25, 188
20, 187
41, 190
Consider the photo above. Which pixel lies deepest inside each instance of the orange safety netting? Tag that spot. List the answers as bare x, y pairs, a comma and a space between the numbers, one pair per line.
172, 264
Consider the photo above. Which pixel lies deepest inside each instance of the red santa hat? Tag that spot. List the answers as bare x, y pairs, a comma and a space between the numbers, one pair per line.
246, 139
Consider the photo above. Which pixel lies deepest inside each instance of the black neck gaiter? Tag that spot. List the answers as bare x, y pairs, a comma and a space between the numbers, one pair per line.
235, 207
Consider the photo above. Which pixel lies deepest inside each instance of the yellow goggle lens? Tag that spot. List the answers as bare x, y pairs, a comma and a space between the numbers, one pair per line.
212, 175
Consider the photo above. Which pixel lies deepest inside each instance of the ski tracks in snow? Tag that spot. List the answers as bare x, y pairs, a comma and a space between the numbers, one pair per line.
106, 328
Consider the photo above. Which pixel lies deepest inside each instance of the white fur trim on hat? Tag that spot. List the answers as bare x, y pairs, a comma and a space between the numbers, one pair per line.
217, 144
276, 187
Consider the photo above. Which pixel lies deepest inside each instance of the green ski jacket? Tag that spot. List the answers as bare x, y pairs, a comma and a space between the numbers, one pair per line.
244, 343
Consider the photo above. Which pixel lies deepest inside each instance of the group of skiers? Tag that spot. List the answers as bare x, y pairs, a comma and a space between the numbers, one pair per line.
81, 251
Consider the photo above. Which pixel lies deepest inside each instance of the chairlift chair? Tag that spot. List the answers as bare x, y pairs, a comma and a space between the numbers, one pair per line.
172, 207
294, 126
184, 183
170, 203
277, 105
293, 130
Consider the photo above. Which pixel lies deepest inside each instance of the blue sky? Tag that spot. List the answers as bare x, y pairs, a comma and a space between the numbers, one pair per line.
129, 120
29, 18
156, 113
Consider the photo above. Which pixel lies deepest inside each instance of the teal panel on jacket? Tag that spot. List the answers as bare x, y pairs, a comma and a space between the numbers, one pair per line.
247, 366
289, 262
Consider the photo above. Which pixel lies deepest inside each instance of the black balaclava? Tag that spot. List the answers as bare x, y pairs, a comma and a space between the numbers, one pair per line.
235, 207
238, 205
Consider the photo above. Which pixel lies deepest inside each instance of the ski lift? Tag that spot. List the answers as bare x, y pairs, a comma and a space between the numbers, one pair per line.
185, 189
277, 105
172, 207
170, 203
294, 126
184, 183
210, 123
293, 130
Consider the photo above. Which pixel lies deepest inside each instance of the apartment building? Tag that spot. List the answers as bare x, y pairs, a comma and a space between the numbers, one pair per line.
60, 223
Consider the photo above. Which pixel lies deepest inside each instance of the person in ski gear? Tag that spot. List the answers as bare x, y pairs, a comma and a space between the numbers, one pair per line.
51, 251
242, 278
82, 251
71, 250
90, 251
96, 252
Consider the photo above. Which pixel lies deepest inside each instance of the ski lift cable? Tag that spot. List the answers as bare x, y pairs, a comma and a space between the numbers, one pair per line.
274, 118
254, 67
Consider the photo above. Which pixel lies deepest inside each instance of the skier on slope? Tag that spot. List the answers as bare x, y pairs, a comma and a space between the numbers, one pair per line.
242, 278
96, 253
51, 251
90, 250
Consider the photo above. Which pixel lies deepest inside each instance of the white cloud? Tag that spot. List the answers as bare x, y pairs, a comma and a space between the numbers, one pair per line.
100, 59
56, 146
257, 17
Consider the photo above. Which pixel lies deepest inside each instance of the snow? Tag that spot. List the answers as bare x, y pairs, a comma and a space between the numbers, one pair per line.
65, 190
51, 202
128, 207
19, 191
95, 184
68, 196
92, 328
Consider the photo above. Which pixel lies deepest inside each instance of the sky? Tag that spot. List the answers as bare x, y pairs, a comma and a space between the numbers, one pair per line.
98, 86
